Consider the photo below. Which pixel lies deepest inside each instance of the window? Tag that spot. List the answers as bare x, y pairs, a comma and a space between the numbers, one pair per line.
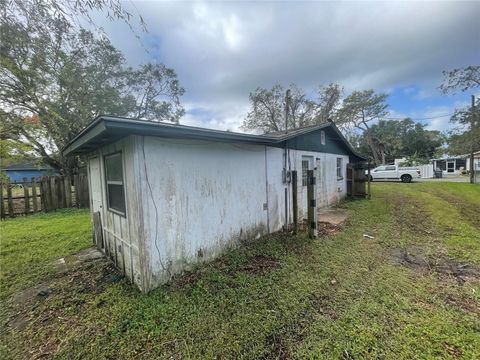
390, 168
304, 172
322, 137
380, 168
114, 180
339, 169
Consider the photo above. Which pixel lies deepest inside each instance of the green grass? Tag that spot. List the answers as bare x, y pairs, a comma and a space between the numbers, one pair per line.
341, 296
29, 244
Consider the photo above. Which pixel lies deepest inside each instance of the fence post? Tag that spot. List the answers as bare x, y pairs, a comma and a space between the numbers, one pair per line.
34, 195
10, 200
2, 205
43, 195
68, 191
295, 201
312, 205
26, 197
53, 188
61, 191
368, 179
75, 186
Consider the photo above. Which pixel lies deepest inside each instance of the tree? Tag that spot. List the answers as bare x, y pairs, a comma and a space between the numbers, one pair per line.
463, 79
358, 110
267, 112
401, 138
328, 101
54, 82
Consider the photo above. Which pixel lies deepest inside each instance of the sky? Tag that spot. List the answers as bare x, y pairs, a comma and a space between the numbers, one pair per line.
222, 51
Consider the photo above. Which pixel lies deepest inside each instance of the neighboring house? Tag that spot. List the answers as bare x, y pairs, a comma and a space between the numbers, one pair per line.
17, 172
476, 161
164, 196
450, 165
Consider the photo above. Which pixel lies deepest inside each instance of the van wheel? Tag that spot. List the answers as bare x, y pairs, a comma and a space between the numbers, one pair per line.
406, 178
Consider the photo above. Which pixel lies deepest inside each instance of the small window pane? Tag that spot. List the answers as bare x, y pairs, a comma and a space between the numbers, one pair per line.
113, 165
339, 169
304, 172
116, 198
114, 183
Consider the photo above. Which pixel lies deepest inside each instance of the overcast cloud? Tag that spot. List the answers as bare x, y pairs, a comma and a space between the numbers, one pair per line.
222, 51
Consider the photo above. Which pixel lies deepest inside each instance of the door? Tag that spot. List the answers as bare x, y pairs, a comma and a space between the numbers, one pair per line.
450, 166
96, 196
307, 164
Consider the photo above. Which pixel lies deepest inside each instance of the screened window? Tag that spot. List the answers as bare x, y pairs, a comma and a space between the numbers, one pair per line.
304, 172
322, 137
339, 168
115, 185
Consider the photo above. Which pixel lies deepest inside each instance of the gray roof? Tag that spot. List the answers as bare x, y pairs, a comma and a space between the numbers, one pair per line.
107, 129
26, 166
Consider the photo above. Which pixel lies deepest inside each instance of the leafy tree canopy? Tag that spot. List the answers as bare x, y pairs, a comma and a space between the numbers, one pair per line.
267, 107
55, 77
358, 111
402, 138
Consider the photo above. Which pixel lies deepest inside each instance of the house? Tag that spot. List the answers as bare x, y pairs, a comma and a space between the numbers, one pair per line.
476, 161
165, 196
17, 172
450, 165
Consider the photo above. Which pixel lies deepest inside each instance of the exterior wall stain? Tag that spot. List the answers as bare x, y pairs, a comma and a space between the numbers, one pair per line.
205, 197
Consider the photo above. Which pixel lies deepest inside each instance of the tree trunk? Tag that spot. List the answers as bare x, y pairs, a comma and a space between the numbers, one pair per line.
373, 148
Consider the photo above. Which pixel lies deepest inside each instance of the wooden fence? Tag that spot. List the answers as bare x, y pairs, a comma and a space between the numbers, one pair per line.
44, 194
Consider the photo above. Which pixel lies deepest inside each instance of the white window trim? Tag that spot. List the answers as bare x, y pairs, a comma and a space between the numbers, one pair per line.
339, 178
115, 182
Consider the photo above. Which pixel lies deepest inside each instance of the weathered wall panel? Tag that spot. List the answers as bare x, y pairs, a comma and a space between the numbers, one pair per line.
204, 197
121, 238
188, 200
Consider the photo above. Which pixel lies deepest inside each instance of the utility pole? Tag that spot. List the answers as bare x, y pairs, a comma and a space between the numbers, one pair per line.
472, 134
287, 104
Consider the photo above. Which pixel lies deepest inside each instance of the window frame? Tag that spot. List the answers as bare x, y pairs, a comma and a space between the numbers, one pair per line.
305, 172
339, 176
322, 137
115, 182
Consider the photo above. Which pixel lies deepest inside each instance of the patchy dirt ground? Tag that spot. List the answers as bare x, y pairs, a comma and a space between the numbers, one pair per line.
59, 302
443, 266
404, 292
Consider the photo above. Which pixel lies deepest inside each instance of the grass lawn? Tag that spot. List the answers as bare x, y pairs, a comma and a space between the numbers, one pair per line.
411, 292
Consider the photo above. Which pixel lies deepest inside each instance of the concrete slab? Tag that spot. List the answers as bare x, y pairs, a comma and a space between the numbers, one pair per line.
332, 216
67, 263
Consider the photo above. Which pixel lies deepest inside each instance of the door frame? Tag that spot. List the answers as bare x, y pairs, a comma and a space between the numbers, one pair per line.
453, 168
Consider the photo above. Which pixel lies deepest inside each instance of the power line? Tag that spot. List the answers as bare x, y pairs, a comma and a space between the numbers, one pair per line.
425, 118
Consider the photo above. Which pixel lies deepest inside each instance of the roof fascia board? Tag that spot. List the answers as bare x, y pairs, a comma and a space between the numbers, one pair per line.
95, 129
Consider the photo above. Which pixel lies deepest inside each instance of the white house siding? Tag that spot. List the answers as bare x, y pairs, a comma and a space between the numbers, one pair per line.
204, 198
276, 189
329, 190
200, 198
120, 233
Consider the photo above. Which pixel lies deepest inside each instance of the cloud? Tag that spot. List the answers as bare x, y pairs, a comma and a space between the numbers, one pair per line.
222, 51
